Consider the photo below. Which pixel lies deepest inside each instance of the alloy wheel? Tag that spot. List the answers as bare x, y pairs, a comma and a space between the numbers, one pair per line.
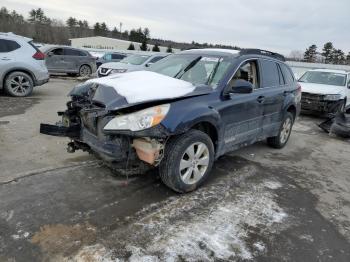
286, 129
19, 85
194, 163
85, 71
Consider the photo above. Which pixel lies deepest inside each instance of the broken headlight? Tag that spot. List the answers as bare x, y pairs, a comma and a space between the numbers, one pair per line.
139, 120
332, 97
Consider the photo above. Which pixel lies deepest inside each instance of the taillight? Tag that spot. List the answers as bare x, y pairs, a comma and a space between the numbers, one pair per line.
39, 55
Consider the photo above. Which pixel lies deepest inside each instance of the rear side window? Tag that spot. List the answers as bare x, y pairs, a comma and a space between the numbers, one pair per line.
117, 56
74, 52
156, 59
288, 76
57, 51
270, 74
8, 46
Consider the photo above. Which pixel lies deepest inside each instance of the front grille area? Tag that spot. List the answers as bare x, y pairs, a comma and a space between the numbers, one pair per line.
313, 102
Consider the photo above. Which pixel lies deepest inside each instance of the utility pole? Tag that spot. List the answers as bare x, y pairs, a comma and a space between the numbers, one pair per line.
120, 28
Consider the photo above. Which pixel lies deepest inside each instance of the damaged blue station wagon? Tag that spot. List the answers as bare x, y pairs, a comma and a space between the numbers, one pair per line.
183, 112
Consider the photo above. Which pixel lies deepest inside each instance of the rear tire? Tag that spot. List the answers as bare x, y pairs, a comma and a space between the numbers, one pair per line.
187, 162
19, 84
284, 132
85, 71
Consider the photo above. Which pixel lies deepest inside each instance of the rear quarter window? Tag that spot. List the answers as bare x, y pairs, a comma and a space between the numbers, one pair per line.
270, 74
8, 45
287, 74
73, 52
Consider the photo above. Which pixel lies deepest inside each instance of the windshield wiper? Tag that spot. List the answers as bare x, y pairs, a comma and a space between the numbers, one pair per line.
190, 65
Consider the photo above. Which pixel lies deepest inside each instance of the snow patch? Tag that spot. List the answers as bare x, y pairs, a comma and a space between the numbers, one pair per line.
272, 184
96, 253
218, 233
141, 86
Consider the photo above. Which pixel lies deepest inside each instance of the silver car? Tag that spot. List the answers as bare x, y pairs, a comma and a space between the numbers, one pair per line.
22, 65
133, 62
64, 59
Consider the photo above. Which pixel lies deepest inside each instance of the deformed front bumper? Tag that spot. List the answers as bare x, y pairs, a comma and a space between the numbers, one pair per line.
113, 149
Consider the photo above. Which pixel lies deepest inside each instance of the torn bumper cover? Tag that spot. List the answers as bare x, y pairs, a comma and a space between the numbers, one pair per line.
111, 146
338, 124
317, 104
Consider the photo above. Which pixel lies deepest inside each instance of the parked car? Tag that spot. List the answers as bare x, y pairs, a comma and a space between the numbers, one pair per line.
64, 59
325, 91
22, 65
130, 63
110, 57
183, 113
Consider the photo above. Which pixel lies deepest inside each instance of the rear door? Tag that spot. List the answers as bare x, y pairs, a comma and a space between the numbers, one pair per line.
7, 51
73, 59
272, 95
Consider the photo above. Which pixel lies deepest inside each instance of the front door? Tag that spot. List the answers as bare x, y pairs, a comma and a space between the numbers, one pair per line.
242, 113
55, 60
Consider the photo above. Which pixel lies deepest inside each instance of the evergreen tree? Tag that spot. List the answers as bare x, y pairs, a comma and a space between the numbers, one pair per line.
156, 48
328, 52
338, 57
310, 54
131, 47
72, 22
104, 29
348, 59
169, 49
97, 29
143, 46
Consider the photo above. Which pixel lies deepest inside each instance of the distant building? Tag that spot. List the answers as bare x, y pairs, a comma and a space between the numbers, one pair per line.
106, 43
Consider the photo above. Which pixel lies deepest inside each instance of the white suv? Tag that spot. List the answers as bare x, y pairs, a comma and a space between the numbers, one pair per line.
325, 91
22, 65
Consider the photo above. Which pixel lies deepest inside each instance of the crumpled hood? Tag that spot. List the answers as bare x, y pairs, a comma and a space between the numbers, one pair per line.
321, 89
124, 90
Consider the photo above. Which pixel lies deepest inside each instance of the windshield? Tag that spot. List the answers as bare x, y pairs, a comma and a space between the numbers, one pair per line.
324, 78
196, 69
134, 59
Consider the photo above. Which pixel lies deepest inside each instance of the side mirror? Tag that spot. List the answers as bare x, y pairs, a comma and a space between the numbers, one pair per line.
241, 87
149, 64
50, 54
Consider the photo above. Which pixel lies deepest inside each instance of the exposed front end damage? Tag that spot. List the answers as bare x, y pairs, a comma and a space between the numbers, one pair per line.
318, 104
338, 124
95, 119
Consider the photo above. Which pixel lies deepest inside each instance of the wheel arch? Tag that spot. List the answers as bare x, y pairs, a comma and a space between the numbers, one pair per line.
17, 69
210, 129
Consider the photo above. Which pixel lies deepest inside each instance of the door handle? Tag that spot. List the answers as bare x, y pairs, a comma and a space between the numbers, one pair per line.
5, 58
260, 99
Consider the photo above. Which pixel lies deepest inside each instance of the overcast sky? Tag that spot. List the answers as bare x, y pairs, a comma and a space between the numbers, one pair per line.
277, 25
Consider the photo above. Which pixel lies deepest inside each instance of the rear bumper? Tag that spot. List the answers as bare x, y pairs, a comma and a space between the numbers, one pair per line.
42, 81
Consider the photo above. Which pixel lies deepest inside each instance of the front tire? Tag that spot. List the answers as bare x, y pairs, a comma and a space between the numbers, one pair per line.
284, 132
187, 162
19, 84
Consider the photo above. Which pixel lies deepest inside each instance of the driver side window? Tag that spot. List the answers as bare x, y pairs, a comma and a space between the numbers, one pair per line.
248, 72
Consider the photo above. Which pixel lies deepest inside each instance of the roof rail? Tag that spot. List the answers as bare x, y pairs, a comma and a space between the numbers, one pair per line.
262, 52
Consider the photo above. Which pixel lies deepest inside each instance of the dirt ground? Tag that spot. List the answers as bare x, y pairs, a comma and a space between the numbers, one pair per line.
260, 204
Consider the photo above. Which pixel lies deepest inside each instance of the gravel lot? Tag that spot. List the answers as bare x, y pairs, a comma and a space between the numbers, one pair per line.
260, 204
